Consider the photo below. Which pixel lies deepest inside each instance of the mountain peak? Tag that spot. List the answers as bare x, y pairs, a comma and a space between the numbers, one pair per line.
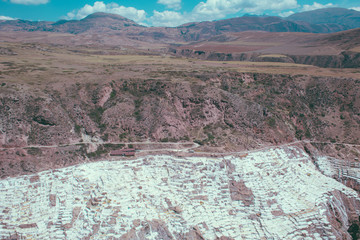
109, 20
334, 15
105, 15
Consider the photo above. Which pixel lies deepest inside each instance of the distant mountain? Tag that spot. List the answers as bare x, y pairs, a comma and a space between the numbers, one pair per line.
205, 30
116, 25
348, 18
97, 22
347, 39
23, 25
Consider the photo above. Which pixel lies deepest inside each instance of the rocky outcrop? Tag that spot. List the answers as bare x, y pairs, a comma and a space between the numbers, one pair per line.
350, 59
236, 110
28, 119
326, 61
346, 59
343, 215
7, 51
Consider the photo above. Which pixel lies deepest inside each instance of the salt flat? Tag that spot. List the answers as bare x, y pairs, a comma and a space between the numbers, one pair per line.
272, 194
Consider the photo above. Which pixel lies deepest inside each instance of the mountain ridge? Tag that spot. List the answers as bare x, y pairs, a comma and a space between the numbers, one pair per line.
346, 17
112, 23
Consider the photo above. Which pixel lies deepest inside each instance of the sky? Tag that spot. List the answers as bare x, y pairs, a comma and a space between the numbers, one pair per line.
161, 12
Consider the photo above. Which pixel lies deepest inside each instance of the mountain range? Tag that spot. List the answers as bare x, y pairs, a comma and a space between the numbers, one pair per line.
317, 21
340, 16
324, 37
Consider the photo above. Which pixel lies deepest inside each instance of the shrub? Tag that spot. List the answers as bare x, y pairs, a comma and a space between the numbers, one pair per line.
77, 129
271, 122
34, 151
105, 137
122, 135
96, 114
112, 94
299, 134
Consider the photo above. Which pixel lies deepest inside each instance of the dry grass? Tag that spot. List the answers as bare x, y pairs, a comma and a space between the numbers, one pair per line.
273, 56
244, 43
355, 49
41, 63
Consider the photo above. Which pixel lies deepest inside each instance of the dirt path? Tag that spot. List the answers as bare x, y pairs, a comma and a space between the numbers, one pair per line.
178, 147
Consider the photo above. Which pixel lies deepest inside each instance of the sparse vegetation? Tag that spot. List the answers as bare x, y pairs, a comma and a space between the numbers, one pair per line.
98, 153
137, 112
77, 128
122, 135
113, 94
96, 114
34, 151
238, 104
271, 122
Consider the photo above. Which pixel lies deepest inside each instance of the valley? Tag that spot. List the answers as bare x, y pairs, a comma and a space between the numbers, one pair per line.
238, 133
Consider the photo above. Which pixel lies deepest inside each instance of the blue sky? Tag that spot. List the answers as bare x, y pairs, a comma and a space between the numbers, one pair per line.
160, 12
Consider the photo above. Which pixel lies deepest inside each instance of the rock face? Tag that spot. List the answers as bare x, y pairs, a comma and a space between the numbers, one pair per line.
276, 193
346, 59
236, 110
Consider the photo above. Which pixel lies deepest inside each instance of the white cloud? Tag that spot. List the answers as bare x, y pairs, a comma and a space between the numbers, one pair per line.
29, 2
175, 4
286, 14
6, 18
212, 9
216, 9
356, 8
128, 12
205, 10
168, 19
316, 6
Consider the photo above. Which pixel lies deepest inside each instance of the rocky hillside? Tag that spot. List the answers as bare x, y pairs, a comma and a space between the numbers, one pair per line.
116, 102
97, 22
335, 50
252, 143
100, 22
248, 38
348, 18
346, 59
259, 107
206, 30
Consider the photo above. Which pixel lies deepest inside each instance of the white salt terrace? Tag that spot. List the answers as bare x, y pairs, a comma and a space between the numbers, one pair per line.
283, 196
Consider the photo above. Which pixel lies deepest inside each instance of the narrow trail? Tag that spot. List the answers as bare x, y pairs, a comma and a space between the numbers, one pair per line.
253, 150
330, 143
178, 147
178, 144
